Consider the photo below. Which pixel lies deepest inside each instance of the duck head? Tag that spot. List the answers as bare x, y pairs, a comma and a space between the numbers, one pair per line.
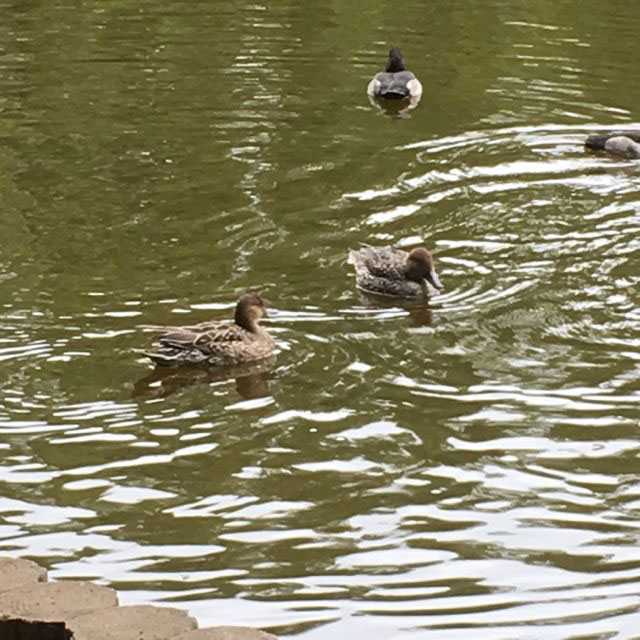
420, 269
251, 308
395, 62
596, 141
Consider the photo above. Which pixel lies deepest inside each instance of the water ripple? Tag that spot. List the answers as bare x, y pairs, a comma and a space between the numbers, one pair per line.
401, 469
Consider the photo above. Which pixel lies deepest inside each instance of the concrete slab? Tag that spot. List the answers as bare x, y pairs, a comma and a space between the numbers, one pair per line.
33, 609
227, 633
19, 572
139, 622
55, 601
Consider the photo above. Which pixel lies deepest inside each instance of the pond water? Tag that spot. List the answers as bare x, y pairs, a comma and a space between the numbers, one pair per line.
400, 471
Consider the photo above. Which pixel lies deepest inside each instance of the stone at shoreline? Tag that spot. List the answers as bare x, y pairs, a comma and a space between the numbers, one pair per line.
132, 623
227, 633
33, 609
55, 601
15, 573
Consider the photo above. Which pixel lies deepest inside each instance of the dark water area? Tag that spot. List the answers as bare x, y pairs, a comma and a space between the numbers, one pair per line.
466, 467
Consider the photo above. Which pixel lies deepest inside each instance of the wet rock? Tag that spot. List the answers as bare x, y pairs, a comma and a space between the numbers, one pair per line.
227, 633
139, 622
55, 601
18, 572
33, 609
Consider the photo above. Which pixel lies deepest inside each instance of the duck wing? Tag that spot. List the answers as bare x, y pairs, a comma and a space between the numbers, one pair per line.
208, 338
208, 325
383, 262
216, 344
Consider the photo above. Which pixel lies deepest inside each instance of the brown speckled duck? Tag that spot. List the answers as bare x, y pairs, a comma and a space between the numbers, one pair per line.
217, 343
393, 272
622, 143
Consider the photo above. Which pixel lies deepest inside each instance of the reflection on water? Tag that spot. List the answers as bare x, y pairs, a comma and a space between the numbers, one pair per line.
395, 108
419, 311
251, 379
405, 470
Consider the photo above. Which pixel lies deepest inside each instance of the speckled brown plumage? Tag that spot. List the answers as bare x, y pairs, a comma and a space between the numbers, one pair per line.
217, 343
394, 272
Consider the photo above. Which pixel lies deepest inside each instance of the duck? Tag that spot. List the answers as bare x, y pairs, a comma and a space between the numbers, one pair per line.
393, 272
395, 82
216, 343
625, 144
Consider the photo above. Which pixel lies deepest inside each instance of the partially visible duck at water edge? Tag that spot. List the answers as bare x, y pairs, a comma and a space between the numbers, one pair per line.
625, 144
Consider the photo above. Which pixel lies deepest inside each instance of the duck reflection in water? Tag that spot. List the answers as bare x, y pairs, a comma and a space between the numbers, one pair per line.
395, 109
420, 313
252, 379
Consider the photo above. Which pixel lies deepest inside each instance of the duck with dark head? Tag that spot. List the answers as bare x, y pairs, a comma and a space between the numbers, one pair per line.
625, 144
395, 82
393, 272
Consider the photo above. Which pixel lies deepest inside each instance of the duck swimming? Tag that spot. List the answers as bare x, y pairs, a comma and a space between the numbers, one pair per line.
393, 272
395, 82
217, 343
625, 143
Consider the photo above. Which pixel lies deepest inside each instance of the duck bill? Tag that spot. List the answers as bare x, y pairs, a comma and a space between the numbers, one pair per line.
433, 279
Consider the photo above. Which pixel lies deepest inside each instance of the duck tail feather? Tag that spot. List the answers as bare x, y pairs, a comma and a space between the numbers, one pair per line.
162, 359
358, 256
152, 327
